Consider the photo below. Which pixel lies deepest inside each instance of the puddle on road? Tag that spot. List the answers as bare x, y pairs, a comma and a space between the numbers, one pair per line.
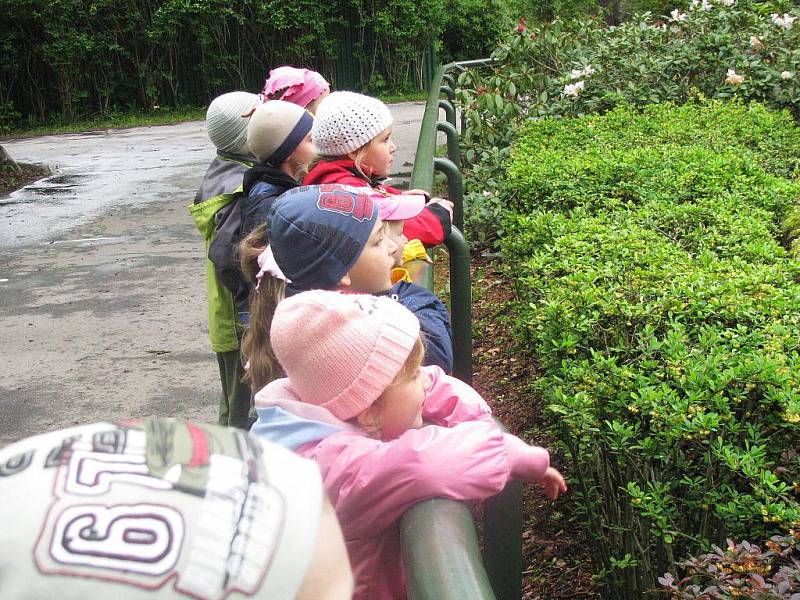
49, 187
94, 241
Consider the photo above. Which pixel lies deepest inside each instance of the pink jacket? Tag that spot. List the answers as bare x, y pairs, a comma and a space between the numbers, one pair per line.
371, 483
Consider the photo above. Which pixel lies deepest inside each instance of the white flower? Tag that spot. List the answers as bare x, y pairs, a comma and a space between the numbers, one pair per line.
584, 72
755, 42
786, 21
486, 193
572, 89
704, 5
786, 75
728, 2
733, 78
678, 15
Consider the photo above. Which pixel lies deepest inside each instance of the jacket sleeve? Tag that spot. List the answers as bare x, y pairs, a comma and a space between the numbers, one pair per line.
431, 226
450, 401
372, 483
434, 321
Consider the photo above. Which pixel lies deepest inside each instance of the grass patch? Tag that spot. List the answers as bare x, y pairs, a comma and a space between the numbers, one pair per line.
408, 97
165, 116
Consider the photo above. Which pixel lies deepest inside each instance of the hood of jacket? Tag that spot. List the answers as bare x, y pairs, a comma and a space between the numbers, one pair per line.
286, 420
223, 176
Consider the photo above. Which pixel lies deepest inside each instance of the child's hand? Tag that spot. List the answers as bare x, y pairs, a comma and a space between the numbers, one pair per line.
553, 483
445, 203
419, 192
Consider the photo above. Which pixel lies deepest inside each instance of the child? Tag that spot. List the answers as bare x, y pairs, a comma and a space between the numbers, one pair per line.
328, 237
171, 509
395, 210
298, 86
215, 201
355, 400
279, 136
353, 134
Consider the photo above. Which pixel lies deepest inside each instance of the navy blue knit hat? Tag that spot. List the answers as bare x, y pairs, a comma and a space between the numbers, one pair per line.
317, 233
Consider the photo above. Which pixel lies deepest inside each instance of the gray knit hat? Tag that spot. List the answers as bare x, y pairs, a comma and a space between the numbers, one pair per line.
226, 126
345, 121
276, 130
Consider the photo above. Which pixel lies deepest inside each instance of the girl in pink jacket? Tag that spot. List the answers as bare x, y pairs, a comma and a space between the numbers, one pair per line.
355, 400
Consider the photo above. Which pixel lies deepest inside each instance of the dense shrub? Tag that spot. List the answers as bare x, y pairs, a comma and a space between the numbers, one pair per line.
658, 291
715, 49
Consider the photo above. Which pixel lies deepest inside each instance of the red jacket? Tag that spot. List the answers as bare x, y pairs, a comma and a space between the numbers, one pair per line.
431, 226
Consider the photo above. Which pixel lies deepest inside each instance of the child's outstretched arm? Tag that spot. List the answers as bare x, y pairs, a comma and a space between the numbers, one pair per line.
532, 463
371, 483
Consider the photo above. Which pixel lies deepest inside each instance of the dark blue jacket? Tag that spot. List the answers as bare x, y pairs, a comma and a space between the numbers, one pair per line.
434, 321
262, 184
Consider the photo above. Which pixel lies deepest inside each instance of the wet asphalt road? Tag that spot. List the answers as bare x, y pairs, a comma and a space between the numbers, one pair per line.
102, 278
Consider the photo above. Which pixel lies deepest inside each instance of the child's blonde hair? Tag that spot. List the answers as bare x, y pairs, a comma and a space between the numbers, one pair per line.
256, 347
371, 420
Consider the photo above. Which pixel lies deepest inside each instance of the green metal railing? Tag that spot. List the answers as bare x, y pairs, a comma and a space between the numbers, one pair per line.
440, 545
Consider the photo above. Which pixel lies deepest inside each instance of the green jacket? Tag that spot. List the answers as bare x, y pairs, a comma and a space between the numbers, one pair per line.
220, 185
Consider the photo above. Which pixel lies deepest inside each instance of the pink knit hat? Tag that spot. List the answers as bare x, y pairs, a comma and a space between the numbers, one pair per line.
341, 351
301, 86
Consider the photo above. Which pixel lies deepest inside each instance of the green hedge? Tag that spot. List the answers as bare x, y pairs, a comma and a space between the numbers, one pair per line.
659, 292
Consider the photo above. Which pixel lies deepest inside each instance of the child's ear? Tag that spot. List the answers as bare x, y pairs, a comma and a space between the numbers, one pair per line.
345, 281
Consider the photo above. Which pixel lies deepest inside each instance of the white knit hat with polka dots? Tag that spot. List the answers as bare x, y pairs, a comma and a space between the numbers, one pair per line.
227, 128
345, 121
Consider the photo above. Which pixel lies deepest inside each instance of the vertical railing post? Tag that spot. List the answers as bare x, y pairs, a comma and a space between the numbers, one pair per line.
455, 188
449, 111
453, 146
460, 304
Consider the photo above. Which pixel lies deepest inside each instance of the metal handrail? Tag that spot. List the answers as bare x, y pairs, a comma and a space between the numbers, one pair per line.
439, 541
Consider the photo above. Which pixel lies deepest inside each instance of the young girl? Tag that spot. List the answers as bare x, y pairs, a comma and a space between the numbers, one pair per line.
327, 237
298, 86
279, 136
353, 134
355, 401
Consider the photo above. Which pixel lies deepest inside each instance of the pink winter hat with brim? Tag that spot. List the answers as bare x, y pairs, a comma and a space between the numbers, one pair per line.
341, 351
299, 86
398, 207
